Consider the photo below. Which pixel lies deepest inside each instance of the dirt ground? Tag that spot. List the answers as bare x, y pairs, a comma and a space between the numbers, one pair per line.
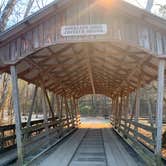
94, 122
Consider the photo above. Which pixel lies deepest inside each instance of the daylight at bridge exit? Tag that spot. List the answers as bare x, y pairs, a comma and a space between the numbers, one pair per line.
82, 82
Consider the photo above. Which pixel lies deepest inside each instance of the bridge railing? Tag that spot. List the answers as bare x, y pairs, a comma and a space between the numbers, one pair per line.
140, 136
7, 137
145, 134
35, 132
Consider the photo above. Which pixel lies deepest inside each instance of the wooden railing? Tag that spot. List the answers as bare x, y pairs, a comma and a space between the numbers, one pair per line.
37, 131
7, 137
140, 136
138, 131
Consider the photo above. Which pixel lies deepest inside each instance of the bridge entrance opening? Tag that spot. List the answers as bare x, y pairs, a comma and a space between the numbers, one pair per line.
73, 48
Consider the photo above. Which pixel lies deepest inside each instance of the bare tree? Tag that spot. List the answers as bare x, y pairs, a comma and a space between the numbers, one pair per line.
162, 10
29, 6
149, 5
16, 10
6, 13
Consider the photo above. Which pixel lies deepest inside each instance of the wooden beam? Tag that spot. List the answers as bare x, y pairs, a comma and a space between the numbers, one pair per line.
44, 107
159, 111
88, 52
68, 115
49, 75
132, 72
137, 107
18, 125
59, 100
32, 106
49, 104
126, 112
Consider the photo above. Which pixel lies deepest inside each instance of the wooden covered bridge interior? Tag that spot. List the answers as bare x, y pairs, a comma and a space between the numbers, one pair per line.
125, 52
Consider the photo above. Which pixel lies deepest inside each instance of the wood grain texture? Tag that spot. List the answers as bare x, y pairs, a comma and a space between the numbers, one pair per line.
133, 44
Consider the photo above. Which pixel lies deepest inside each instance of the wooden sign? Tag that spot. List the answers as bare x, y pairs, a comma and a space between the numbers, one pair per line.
84, 30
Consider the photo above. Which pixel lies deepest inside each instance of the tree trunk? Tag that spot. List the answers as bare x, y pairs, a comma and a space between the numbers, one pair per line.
29, 6
6, 13
149, 5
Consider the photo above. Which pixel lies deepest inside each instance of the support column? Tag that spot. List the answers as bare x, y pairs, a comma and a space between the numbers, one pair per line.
32, 107
159, 111
67, 112
112, 110
126, 111
117, 112
137, 110
59, 113
76, 112
16, 106
49, 104
120, 112
73, 111
44, 107
137, 106
78, 109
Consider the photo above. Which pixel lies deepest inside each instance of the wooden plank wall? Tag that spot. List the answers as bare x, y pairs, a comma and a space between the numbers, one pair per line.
122, 27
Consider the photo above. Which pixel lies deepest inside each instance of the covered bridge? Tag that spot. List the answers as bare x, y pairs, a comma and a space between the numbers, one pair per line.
74, 48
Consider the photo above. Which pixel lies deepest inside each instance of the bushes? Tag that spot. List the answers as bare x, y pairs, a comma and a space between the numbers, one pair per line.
85, 109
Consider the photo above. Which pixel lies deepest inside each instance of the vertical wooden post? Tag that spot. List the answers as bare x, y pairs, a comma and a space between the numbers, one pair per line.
150, 112
18, 125
111, 108
58, 107
78, 109
67, 113
59, 113
120, 112
137, 106
49, 104
76, 112
126, 111
53, 102
70, 111
130, 105
116, 111
137, 110
112, 111
44, 107
159, 111
73, 111
32, 106
151, 117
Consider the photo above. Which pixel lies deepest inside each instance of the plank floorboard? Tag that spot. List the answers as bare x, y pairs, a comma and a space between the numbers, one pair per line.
63, 155
86, 145
115, 151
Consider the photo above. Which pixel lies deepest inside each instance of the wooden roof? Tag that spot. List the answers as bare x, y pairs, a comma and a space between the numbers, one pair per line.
110, 64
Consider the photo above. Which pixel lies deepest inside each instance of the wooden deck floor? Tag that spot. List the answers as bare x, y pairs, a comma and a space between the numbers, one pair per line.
82, 148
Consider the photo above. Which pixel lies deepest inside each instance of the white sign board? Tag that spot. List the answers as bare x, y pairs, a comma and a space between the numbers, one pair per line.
84, 30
